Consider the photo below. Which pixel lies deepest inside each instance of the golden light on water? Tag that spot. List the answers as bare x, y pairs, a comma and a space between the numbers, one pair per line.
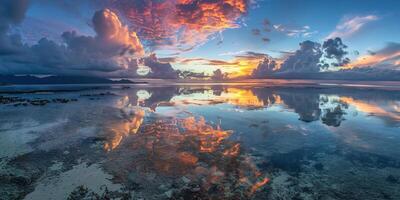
241, 97
371, 108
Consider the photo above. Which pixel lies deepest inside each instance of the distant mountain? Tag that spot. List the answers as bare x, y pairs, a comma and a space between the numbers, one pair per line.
27, 80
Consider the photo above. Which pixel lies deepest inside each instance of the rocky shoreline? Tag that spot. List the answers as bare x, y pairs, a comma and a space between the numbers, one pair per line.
18, 101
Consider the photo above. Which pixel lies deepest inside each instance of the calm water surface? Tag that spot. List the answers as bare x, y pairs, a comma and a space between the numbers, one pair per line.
199, 142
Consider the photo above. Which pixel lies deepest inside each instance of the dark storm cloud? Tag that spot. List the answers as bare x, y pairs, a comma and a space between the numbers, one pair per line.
108, 53
334, 116
336, 49
251, 55
264, 39
11, 12
168, 59
256, 31
221, 62
159, 69
111, 53
364, 74
218, 75
261, 32
205, 61
265, 68
307, 62
306, 59
266, 25
368, 73
372, 53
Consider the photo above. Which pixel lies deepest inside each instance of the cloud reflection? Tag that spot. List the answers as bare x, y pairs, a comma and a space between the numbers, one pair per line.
150, 144
328, 106
191, 148
374, 109
131, 119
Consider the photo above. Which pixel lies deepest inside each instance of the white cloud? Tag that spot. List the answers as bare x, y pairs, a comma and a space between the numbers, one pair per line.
350, 26
304, 31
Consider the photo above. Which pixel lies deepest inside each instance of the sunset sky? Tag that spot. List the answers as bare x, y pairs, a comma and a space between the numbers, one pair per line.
154, 38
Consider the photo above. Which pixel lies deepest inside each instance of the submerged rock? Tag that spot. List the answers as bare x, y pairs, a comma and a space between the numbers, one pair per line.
185, 180
392, 179
319, 166
17, 101
169, 193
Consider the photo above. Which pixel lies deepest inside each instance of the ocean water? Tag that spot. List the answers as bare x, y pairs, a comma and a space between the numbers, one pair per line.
193, 141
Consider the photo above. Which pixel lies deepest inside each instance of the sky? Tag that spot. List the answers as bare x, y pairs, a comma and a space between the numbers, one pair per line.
201, 39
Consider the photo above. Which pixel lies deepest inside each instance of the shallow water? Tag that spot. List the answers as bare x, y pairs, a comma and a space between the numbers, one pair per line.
200, 142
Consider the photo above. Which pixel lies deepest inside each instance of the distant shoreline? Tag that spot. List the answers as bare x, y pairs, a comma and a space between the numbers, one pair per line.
115, 83
53, 80
271, 83
33, 84
279, 82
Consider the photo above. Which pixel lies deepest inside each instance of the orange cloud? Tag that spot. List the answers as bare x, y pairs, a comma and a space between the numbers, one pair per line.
371, 108
239, 66
181, 24
109, 28
371, 60
389, 55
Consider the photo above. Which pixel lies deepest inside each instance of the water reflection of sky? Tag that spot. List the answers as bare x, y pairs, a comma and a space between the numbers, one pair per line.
214, 141
265, 121
241, 110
